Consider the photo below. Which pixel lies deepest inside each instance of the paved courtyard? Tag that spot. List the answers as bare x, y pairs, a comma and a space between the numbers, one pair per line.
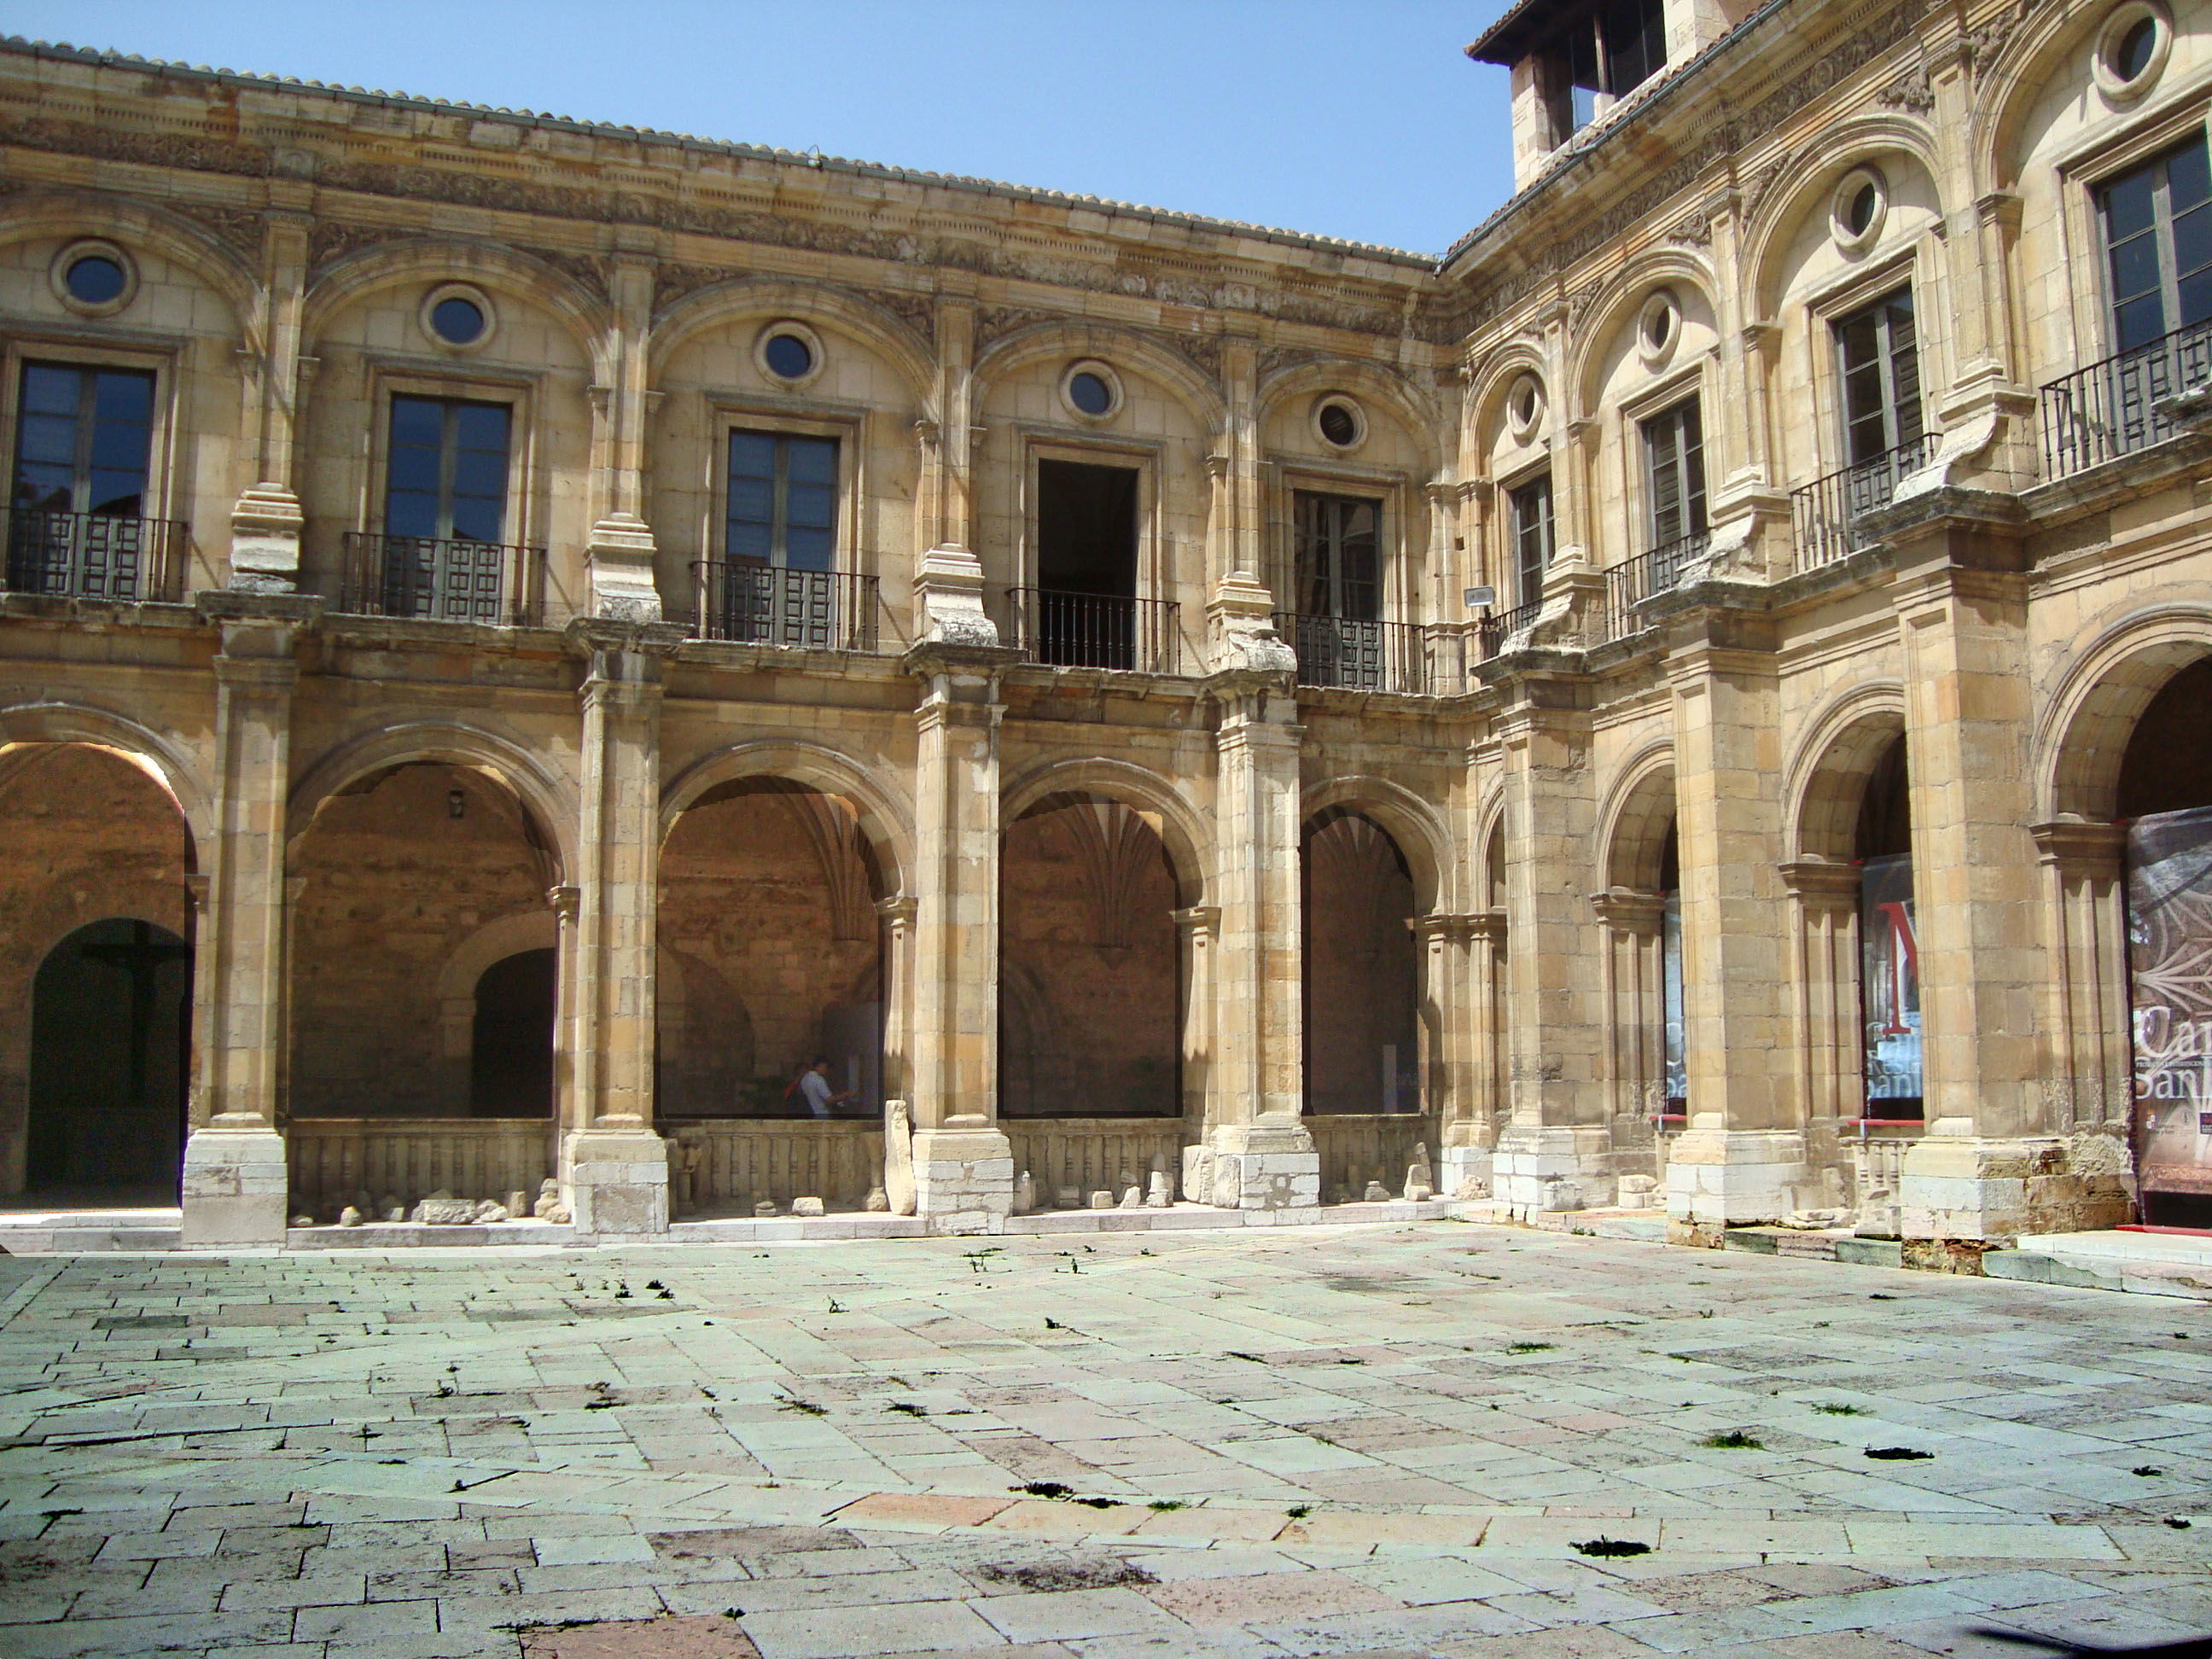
1400, 1440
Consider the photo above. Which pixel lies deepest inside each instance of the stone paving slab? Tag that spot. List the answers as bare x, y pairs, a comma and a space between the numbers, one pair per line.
1435, 1438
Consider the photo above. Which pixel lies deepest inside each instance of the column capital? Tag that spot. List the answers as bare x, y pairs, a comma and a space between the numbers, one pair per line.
1199, 918
1626, 910
1822, 884
898, 910
2081, 845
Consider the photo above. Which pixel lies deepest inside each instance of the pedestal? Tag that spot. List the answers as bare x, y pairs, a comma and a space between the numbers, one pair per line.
617, 1181
1539, 1170
1722, 1178
1465, 1172
963, 1177
1269, 1164
1988, 1189
236, 1185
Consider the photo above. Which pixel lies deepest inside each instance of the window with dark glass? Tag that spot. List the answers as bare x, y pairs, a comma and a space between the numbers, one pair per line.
1881, 361
446, 471
1675, 473
1611, 51
2158, 246
782, 500
83, 439
1532, 539
1340, 571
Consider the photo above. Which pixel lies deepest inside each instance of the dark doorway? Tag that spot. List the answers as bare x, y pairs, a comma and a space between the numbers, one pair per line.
1084, 609
110, 1018
1362, 970
511, 1057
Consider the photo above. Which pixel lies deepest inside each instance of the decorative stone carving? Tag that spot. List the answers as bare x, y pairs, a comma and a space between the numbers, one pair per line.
898, 1157
1158, 1195
948, 598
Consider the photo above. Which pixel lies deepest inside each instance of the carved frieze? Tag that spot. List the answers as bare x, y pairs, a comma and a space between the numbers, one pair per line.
239, 227
332, 240
919, 311
197, 153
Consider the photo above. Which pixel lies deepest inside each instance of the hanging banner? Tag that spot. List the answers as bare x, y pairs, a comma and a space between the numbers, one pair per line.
1889, 989
2170, 963
1670, 974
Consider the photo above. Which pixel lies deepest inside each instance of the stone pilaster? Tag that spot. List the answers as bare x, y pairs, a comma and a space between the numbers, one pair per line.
1742, 1156
614, 1167
618, 558
1450, 1019
1470, 1135
1554, 1150
963, 1165
1632, 954
1257, 1155
1824, 1010
235, 1180
266, 523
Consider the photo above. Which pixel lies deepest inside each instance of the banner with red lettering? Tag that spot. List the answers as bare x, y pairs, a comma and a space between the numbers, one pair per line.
2170, 964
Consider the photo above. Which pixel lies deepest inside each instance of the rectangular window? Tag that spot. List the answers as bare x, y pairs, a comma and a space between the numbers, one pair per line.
1633, 34
1532, 539
1084, 613
1880, 361
83, 439
2158, 246
1606, 54
446, 472
1340, 559
782, 509
1674, 474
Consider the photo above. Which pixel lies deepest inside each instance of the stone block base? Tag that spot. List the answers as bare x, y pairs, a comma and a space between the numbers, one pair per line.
1959, 1187
1268, 1164
964, 1178
235, 1189
1543, 1172
1464, 1172
617, 1181
1719, 1178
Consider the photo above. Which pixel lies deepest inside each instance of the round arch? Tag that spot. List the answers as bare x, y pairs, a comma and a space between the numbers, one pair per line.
22, 725
94, 213
1634, 825
549, 802
1124, 348
884, 818
1415, 414
2014, 80
2084, 736
1802, 186
532, 930
831, 306
1181, 831
371, 270
1487, 395
1826, 778
1422, 840
1615, 309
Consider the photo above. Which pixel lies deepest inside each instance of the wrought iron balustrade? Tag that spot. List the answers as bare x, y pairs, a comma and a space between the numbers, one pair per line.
1496, 627
1659, 571
95, 555
1357, 656
438, 579
1823, 513
1096, 630
2122, 404
760, 604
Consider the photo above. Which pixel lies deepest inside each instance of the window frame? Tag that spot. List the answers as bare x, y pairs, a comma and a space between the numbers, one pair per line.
521, 520
847, 424
1691, 399
1155, 574
1397, 580
1885, 363
1513, 490
780, 551
85, 421
1380, 585
2161, 231
164, 493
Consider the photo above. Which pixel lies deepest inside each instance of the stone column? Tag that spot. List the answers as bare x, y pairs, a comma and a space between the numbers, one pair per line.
1554, 1151
1258, 1153
266, 522
1741, 1157
897, 915
619, 557
1471, 1136
614, 1167
235, 1181
1198, 931
1450, 1015
1999, 1157
963, 1165
1631, 946
1825, 1009
2086, 923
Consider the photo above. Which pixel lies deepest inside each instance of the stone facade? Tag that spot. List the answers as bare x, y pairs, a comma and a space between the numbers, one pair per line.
1209, 795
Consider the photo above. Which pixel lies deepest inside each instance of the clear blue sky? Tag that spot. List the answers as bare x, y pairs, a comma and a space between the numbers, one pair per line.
1350, 118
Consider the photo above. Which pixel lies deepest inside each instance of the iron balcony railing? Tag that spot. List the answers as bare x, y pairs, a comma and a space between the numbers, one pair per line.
2122, 404
436, 579
760, 604
1096, 630
1824, 514
94, 555
1357, 656
1659, 571
1494, 628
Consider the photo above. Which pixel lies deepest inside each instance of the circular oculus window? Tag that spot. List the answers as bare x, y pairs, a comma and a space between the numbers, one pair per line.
1659, 326
1091, 390
457, 317
1856, 212
2131, 49
94, 279
1524, 406
1339, 421
788, 353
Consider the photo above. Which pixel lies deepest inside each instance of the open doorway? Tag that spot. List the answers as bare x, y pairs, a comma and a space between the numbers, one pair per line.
1083, 612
